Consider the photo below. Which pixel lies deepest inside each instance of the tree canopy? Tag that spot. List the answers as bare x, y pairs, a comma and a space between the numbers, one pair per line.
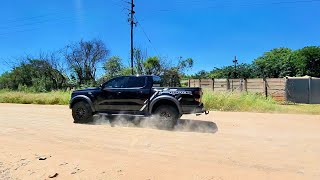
83, 57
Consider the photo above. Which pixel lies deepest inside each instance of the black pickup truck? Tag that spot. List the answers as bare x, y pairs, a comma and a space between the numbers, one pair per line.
136, 96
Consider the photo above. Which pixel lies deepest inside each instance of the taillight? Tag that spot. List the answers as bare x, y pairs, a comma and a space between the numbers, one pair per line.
197, 95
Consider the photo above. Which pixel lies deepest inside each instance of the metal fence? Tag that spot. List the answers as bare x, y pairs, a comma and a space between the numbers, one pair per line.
303, 90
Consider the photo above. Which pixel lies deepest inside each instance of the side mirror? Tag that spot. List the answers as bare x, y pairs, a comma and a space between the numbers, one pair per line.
102, 87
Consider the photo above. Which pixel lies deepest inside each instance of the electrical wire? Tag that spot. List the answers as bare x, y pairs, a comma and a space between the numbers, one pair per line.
18, 25
144, 32
60, 21
229, 4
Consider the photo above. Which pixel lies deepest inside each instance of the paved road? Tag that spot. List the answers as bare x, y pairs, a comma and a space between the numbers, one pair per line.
219, 146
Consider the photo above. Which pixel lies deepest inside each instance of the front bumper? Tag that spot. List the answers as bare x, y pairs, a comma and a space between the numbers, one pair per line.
200, 109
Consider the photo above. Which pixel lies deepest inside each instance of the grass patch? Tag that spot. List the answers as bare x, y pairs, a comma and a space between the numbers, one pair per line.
54, 97
228, 101
248, 102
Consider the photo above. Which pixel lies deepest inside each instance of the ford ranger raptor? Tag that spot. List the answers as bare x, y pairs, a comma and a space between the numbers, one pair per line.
136, 96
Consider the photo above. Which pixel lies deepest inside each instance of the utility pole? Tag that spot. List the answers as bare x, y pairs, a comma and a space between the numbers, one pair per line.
131, 24
235, 61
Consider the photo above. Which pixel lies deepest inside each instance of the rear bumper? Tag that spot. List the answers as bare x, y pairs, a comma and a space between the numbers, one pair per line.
200, 109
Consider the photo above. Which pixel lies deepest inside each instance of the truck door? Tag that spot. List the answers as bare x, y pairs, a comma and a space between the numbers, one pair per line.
136, 94
111, 97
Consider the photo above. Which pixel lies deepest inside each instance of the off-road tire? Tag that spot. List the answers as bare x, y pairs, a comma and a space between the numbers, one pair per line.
82, 113
166, 117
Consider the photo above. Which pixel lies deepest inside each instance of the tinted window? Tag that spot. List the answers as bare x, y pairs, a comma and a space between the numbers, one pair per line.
136, 82
119, 82
156, 81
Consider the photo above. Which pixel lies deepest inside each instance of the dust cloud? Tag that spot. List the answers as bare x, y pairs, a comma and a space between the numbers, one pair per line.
183, 125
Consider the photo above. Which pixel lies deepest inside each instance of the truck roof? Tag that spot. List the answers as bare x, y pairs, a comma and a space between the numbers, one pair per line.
140, 76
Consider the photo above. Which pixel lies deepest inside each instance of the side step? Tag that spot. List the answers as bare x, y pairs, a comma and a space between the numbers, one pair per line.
132, 115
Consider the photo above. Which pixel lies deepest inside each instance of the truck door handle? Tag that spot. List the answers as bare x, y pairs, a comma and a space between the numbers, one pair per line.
118, 93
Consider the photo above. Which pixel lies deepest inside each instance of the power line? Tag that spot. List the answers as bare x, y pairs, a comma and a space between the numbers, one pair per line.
144, 32
68, 20
279, 3
55, 12
34, 23
245, 4
25, 19
20, 23
16, 25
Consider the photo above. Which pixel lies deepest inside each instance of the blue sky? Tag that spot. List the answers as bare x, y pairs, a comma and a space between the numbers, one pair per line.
211, 32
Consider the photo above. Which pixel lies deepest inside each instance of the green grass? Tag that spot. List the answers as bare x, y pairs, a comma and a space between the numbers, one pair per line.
228, 101
54, 97
248, 102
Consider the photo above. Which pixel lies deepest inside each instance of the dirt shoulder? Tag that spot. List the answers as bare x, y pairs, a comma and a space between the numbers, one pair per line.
222, 145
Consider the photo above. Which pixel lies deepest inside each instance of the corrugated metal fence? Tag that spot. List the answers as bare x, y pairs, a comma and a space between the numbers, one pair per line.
303, 90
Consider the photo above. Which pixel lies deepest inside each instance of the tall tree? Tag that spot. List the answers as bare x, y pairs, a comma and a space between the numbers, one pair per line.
171, 75
56, 68
83, 58
307, 61
271, 63
152, 66
246, 71
139, 58
113, 67
184, 64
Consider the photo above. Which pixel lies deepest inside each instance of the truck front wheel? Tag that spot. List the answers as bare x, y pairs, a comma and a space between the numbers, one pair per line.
82, 113
166, 117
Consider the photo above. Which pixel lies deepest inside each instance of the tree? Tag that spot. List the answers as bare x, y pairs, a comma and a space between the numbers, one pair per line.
171, 75
139, 58
35, 74
6, 81
55, 67
246, 71
271, 63
289, 68
152, 66
184, 64
83, 58
307, 61
200, 75
125, 71
224, 72
113, 67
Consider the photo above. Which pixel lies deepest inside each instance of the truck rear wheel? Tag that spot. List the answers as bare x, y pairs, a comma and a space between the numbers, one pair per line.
82, 113
166, 117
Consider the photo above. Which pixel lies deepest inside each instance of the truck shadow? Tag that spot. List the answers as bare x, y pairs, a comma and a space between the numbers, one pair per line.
183, 125
186, 125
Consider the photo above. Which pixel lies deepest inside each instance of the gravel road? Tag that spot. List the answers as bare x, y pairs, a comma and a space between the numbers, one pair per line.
41, 142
